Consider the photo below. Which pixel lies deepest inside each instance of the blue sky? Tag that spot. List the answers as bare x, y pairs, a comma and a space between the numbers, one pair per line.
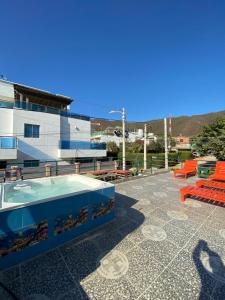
155, 58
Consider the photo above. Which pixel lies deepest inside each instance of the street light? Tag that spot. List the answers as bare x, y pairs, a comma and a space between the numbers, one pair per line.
123, 114
145, 145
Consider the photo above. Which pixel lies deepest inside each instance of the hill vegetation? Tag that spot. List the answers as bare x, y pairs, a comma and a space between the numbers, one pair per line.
184, 125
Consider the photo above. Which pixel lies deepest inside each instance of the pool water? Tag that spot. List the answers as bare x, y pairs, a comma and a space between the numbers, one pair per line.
33, 190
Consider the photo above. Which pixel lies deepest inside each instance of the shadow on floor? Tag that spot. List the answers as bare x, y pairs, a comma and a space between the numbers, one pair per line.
209, 265
57, 274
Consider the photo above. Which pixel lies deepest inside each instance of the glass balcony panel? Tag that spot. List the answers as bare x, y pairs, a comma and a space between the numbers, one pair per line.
8, 142
6, 104
76, 145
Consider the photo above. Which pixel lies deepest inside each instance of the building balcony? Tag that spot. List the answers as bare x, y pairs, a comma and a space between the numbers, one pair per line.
41, 108
8, 147
73, 149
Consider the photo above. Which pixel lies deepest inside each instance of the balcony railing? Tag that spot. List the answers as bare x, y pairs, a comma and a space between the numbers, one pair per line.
41, 108
8, 142
81, 145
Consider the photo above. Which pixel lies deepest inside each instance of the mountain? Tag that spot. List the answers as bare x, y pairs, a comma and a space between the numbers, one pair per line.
184, 125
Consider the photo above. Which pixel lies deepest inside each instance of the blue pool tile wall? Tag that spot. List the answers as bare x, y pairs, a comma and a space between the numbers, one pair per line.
36, 228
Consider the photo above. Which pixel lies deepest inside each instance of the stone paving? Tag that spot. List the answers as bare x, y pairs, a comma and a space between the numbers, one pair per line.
157, 248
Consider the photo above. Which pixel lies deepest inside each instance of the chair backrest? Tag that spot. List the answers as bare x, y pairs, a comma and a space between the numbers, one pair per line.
190, 164
220, 167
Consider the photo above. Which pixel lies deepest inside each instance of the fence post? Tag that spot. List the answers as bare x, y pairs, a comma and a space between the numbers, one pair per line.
116, 164
94, 161
98, 165
56, 168
48, 170
77, 167
151, 164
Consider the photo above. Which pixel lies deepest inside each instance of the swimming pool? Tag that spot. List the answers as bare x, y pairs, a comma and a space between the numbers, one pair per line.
39, 214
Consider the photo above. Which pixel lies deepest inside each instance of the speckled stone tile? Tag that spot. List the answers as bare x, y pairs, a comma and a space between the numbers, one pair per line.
108, 241
219, 291
135, 215
187, 225
215, 223
125, 245
143, 269
161, 214
176, 235
169, 286
51, 280
151, 219
76, 294
81, 259
40, 263
10, 289
97, 287
190, 269
143, 240
136, 236
194, 241
10, 274
163, 251
128, 228
211, 236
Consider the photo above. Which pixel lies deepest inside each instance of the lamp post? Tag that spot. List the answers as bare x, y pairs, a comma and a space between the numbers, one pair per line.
123, 114
145, 145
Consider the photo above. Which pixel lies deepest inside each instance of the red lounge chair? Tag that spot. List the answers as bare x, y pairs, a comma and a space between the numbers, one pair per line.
99, 172
212, 184
219, 172
122, 172
190, 168
202, 193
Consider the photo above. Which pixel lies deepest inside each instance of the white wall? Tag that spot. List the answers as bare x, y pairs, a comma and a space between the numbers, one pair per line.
46, 146
53, 128
6, 122
6, 91
75, 129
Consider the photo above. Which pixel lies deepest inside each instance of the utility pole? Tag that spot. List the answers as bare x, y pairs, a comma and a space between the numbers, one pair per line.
165, 141
145, 146
123, 113
123, 126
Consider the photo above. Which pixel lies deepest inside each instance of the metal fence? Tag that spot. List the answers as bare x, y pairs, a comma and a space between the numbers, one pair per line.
55, 168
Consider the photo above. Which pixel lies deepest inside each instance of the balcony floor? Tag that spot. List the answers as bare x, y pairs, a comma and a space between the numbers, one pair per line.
156, 248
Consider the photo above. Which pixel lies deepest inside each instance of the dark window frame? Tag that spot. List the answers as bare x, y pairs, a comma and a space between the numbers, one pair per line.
31, 163
31, 130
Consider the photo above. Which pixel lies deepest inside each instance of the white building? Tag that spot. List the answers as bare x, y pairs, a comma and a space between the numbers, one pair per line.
105, 137
37, 126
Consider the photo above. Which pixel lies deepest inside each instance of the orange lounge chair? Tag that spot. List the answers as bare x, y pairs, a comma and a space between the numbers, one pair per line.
190, 168
211, 184
202, 193
219, 171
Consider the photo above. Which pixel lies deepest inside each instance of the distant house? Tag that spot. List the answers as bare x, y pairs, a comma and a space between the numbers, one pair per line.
37, 126
108, 135
182, 142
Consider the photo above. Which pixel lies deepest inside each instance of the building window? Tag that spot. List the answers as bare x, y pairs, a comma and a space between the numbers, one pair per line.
30, 163
31, 131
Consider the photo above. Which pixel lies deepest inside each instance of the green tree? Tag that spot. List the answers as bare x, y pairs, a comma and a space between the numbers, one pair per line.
212, 140
137, 147
112, 149
156, 146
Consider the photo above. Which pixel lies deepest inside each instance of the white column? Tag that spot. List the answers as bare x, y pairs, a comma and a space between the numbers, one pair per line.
166, 146
124, 150
145, 147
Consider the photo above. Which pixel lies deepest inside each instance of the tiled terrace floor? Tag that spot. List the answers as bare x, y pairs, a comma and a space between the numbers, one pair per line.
156, 248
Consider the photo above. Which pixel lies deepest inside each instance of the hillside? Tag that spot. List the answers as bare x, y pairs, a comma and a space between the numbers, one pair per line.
185, 125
